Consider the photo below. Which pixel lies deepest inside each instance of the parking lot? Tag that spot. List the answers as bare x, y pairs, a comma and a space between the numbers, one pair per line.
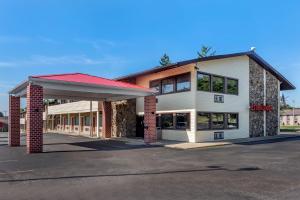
81, 168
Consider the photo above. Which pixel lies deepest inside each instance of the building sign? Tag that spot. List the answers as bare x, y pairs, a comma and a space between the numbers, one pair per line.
261, 108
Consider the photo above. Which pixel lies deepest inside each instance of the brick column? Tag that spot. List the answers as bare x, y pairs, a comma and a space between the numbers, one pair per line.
106, 119
34, 129
14, 121
150, 134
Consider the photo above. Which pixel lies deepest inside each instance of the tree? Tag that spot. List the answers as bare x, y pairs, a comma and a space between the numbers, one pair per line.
206, 51
165, 60
283, 103
1, 114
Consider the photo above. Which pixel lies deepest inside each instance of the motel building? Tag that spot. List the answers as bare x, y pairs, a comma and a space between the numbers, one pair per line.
206, 99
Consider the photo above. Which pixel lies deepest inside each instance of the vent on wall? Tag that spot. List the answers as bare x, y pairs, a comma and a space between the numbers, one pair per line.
218, 135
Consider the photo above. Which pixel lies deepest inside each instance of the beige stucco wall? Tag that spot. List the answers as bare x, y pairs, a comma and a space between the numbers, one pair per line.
194, 101
237, 67
177, 102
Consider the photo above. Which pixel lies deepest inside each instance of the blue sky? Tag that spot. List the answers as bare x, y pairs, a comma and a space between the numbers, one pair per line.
113, 38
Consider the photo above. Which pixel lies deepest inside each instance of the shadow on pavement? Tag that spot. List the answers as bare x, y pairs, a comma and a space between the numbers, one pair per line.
209, 168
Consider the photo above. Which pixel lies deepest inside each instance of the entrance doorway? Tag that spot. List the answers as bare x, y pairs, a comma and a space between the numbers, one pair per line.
140, 126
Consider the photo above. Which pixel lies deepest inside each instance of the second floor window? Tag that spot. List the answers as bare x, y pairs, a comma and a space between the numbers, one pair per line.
218, 84
168, 86
203, 82
178, 83
183, 83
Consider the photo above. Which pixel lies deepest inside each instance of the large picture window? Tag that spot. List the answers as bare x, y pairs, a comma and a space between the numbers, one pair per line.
167, 121
218, 84
183, 83
217, 121
203, 82
215, 83
203, 121
178, 83
232, 86
182, 121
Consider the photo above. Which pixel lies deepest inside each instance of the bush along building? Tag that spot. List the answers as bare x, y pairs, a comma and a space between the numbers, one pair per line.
211, 98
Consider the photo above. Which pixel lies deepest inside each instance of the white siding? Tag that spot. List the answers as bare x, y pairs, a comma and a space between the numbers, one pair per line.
238, 68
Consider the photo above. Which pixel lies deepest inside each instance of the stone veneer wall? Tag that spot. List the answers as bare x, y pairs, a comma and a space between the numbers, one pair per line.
272, 99
124, 118
256, 95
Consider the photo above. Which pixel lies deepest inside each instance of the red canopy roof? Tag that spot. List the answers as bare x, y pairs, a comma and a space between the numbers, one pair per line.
89, 79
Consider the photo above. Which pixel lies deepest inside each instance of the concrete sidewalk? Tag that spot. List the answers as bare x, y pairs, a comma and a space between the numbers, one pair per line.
230, 142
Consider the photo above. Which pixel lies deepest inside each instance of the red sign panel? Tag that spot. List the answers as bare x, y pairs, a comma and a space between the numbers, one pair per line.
1, 125
261, 108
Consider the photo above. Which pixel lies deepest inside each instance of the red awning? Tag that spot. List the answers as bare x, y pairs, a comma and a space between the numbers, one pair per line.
89, 79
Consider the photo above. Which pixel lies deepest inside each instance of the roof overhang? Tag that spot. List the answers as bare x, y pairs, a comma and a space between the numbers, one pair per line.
57, 89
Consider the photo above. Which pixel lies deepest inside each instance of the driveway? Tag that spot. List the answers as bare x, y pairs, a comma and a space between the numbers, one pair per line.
83, 168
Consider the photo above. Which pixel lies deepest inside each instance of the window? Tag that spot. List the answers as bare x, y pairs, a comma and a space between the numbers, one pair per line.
217, 121
203, 82
218, 84
167, 121
182, 120
87, 120
168, 86
76, 121
183, 83
155, 85
232, 86
232, 120
203, 121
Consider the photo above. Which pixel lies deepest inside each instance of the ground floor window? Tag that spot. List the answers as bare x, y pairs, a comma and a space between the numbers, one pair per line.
217, 121
87, 121
232, 120
173, 121
167, 121
182, 120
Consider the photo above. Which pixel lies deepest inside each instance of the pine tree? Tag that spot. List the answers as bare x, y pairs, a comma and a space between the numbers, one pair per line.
206, 51
165, 60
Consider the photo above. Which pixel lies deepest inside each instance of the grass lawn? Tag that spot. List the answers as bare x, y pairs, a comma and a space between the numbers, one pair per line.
289, 128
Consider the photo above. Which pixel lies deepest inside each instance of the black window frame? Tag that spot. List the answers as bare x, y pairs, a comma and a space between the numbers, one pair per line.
209, 120
188, 121
174, 78
225, 91
237, 123
211, 128
226, 82
209, 81
173, 81
162, 121
212, 84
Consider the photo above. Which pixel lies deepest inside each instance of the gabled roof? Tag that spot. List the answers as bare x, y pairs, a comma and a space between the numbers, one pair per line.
89, 79
285, 85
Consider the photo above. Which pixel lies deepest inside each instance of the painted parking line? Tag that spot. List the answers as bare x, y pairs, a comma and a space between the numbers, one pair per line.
5, 161
16, 172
